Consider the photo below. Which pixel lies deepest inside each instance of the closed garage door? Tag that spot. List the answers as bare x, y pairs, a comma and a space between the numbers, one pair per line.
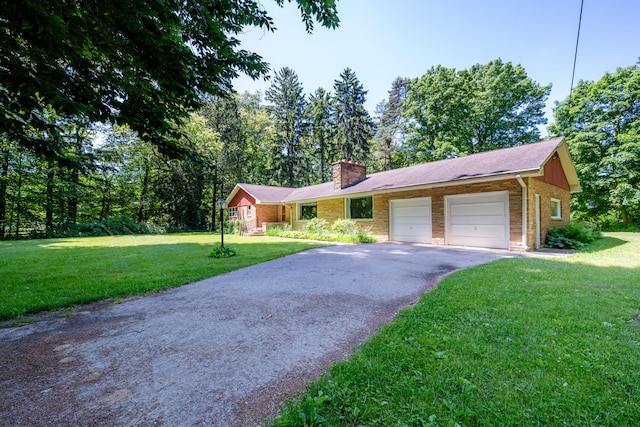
410, 220
478, 220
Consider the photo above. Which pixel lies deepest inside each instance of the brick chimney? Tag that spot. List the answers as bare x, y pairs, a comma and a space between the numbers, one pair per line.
346, 173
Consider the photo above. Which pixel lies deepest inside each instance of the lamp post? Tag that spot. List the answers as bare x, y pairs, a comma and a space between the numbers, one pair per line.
222, 203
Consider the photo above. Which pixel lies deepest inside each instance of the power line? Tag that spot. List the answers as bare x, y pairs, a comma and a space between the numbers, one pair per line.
575, 56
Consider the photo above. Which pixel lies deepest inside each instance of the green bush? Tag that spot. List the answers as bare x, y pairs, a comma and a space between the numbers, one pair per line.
341, 231
572, 236
345, 226
106, 227
317, 226
223, 252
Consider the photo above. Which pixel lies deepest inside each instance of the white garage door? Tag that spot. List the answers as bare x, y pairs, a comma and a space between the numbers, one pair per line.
410, 220
478, 220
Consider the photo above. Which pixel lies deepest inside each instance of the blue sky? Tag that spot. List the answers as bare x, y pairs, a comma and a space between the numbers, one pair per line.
381, 40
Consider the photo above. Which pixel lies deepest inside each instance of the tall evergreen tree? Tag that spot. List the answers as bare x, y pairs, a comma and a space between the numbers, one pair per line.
320, 114
287, 108
391, 133
354, 125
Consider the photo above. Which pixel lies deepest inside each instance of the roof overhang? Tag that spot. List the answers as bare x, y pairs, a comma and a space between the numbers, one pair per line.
567, 166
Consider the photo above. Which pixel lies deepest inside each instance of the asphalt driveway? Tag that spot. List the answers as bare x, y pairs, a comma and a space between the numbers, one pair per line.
220, 352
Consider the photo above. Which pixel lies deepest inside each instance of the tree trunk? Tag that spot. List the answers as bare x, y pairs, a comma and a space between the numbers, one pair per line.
625, 218
48, 222
143, 193
4, 177
19, 196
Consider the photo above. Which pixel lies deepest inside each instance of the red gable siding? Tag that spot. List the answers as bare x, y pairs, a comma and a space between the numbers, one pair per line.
553, 173
242, 198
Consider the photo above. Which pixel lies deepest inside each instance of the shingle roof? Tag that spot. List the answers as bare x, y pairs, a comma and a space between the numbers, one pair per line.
521, 160
513, 160
267, 193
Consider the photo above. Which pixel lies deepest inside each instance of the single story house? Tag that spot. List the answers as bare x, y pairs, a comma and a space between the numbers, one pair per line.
506, 198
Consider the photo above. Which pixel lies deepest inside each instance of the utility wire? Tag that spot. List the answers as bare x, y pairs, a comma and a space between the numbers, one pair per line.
575, 56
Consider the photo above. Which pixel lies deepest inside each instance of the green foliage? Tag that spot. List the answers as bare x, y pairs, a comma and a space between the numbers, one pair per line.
223, 252
391, 133
572, 236
105, 227
47, 275
516, 342
344, 230
600, 121
354, 125
453, 113
288, 111
317, 226
144, 64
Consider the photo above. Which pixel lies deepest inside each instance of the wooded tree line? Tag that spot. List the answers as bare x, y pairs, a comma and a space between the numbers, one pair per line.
91, 171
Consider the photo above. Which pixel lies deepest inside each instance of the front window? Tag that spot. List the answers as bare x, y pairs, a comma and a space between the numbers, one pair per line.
249, 211
360, 208
556, 209
233, 212
308, 211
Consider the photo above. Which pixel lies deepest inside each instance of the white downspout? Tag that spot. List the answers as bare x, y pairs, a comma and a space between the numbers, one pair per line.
524, 211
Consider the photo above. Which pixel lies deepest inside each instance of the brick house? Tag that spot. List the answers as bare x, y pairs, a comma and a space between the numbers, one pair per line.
505, 198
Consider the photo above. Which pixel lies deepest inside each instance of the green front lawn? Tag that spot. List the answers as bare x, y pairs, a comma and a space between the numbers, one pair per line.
517, 342
37, 275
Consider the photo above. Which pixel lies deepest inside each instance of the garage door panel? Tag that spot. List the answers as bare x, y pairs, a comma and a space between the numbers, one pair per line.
481, 220
410, 220
478, 220
476, 209
486, 231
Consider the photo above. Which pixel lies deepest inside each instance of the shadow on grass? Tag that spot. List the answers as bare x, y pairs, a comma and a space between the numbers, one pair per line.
603, 244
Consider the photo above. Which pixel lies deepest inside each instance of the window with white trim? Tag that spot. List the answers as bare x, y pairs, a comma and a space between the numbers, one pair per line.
249, 211
556, 209
360, 207
307, 211
233, 212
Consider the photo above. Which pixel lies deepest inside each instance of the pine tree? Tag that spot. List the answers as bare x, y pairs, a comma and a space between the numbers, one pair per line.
288, 112
354, 125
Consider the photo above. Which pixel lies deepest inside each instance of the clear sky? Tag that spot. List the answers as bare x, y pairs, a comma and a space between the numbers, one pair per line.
383, 39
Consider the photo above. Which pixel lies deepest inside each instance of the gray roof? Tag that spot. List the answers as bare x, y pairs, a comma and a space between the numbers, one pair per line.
267, 193
509, 161
524, 160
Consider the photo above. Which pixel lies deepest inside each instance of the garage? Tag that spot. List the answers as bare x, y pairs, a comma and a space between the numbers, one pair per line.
410, 220
478, 220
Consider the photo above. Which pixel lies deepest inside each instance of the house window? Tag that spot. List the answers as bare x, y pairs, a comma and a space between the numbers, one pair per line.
233, 212
360, 208
556, 209
249, 211
308, 211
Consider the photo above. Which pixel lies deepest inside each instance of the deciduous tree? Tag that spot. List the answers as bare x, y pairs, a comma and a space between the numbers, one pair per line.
486, 107
141, 63
601, 121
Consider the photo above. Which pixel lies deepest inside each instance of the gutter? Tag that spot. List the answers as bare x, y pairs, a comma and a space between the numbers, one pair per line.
524, 210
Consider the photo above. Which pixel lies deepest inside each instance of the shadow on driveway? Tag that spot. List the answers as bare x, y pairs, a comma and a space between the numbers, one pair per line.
219, 352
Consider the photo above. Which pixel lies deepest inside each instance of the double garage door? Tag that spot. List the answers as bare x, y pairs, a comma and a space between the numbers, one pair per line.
480, 220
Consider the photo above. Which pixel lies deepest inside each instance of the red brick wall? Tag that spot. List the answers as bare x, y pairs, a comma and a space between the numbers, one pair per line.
345, 173
547, 192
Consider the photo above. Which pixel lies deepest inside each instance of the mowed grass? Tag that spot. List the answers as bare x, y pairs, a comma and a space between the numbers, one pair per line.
526, 342
37, 275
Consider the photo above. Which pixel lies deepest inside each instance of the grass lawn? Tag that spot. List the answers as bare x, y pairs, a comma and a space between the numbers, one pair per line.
526, 342
37, 275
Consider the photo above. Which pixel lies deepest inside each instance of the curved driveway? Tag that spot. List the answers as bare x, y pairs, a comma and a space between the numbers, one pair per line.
220, 352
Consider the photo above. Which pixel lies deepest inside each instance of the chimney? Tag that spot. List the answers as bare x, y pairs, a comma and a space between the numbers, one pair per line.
346, 173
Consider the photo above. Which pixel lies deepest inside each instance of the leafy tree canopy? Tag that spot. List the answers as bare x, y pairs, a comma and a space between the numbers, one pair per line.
143, 63
483, 108
601, 121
